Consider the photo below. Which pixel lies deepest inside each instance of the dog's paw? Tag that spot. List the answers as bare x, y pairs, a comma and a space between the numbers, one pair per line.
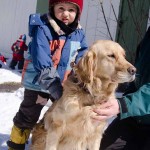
94, 121
89, 114
51, 148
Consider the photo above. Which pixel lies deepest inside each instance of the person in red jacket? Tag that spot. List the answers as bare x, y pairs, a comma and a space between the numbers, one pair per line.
3, 59
18, 49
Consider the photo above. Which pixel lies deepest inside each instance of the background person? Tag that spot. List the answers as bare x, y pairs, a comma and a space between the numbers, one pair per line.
18, 49
2, 59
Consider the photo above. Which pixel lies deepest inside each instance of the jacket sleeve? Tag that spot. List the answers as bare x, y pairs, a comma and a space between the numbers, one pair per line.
12, 47
2, 58
39, 49
83, 48
23, 46
136, 104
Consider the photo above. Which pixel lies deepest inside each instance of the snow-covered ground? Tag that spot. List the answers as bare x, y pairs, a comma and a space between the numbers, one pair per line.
9, 104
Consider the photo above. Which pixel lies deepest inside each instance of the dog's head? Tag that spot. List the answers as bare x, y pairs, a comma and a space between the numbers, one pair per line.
104, 63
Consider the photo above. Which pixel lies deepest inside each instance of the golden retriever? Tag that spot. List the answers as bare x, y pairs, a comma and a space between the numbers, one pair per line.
68, 124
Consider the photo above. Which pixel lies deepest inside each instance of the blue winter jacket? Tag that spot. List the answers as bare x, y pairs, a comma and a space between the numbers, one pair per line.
50, 49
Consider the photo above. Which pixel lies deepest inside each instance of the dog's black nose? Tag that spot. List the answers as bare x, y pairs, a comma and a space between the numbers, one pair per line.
131, 70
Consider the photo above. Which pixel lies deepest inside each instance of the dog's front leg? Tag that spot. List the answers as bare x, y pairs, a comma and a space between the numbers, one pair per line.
52, 138
95, 129
94, 144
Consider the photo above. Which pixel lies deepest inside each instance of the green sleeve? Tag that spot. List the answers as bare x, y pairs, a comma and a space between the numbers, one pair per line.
137, 103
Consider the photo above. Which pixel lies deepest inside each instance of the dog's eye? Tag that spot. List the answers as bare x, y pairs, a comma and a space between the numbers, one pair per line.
111, 55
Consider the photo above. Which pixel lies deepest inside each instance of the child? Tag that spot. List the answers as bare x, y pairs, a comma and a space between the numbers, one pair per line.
57, 40
3, 59
18, 49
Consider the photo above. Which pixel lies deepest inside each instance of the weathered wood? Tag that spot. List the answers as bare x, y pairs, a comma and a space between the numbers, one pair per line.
133, 19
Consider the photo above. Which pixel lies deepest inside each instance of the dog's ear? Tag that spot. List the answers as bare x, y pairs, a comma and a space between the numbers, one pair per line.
86, 66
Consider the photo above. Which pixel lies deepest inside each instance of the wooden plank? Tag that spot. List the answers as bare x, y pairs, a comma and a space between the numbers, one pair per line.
42, 7
132, 26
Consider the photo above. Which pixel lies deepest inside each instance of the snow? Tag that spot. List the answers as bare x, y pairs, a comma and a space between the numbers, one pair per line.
10, 102
9, 76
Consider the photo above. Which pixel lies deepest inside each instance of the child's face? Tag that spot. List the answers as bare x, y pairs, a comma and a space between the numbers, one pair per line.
65, 12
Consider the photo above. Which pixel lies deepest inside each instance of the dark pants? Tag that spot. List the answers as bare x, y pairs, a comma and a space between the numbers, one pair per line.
126, 134
14, 63
29, 111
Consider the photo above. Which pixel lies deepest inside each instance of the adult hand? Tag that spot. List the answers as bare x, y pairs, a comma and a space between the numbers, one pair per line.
107, 110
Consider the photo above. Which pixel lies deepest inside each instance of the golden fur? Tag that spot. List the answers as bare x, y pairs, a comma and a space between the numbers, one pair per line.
68, 124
